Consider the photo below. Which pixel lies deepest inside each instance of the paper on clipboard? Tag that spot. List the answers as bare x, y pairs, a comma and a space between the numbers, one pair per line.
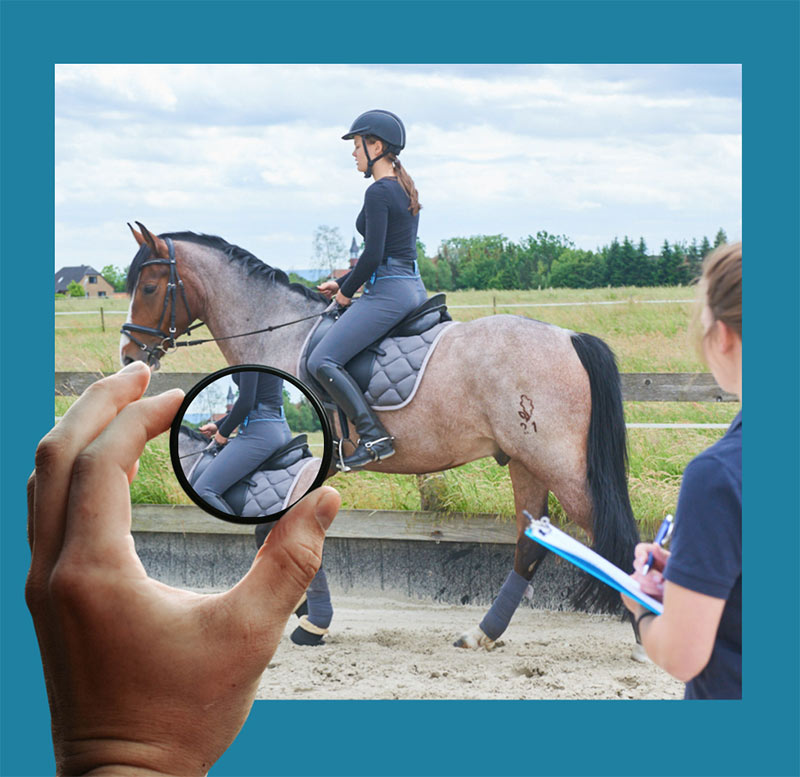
543, 532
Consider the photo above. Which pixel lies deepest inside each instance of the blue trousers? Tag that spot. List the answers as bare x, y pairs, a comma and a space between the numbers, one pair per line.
389, 296
263, 432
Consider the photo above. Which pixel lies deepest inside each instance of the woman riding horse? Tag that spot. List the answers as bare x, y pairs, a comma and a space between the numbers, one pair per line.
258, 412
388, 266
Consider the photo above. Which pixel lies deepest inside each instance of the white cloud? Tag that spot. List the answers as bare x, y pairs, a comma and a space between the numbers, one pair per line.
253, 152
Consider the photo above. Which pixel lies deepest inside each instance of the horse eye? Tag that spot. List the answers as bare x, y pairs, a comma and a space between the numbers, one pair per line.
149, 288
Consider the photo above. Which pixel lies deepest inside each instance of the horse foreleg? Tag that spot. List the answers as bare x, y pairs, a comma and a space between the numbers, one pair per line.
531, 495
314, 624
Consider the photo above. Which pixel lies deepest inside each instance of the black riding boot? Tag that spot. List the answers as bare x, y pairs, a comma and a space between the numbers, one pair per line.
374, 442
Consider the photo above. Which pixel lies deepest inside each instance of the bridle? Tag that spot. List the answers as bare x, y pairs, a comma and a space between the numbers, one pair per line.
168, 341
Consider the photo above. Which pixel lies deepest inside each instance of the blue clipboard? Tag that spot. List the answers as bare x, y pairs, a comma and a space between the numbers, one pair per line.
543, 532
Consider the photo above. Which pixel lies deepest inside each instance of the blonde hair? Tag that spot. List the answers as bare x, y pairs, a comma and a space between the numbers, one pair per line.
720, 288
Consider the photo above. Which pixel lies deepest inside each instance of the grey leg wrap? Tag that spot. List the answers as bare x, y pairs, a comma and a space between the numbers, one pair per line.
496, 621
320, 609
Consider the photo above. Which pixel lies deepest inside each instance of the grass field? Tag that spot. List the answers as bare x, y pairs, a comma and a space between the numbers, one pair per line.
645, 337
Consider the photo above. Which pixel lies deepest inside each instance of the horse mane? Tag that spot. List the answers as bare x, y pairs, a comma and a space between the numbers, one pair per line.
193, 433
253, 265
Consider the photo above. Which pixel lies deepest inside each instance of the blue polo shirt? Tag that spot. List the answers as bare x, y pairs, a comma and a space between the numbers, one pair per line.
707, 555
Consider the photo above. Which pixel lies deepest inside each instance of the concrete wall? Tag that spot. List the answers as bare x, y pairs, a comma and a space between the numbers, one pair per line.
183, 546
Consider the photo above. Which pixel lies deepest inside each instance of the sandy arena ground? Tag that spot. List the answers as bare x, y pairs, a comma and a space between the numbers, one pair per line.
380, 648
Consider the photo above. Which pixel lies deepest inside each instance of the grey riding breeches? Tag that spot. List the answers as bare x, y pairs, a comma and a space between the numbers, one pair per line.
260, 435
393, 291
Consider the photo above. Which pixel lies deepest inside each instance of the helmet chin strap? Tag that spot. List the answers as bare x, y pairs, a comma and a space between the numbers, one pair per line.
371, 162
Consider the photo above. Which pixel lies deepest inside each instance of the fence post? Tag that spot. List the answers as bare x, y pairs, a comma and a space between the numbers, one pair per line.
432, 489
494, 305
102, 319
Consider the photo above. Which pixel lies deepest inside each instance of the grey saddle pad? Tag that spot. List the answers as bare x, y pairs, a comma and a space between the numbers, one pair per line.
269, 490
398, 369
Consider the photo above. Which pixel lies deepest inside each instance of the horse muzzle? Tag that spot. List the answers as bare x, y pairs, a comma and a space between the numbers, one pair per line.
136, 350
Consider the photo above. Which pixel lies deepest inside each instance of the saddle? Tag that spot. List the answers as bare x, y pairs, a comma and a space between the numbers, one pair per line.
267, 489
389, 369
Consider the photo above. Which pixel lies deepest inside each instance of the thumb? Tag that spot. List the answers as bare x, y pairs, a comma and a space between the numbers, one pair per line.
288, 560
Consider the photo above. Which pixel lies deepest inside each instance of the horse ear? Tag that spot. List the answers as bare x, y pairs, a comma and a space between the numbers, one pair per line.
157, 245
137, 236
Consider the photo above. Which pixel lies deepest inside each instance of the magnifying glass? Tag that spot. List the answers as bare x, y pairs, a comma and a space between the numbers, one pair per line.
248, 442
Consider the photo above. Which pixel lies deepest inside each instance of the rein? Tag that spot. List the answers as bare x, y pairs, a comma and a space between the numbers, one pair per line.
168, 339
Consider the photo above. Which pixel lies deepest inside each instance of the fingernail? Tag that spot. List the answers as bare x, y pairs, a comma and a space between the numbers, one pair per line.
327, 507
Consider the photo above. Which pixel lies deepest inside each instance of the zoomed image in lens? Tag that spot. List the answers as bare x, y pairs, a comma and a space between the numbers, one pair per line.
248, 442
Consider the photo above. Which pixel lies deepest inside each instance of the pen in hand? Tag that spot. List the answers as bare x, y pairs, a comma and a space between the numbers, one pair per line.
662, 537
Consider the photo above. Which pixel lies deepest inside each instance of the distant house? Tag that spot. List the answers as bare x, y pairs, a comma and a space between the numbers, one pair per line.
94, 284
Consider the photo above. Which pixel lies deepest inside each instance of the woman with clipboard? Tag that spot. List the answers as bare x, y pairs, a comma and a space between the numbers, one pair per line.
698, 638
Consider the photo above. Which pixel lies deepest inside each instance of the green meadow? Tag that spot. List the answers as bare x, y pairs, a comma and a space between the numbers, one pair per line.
646, 337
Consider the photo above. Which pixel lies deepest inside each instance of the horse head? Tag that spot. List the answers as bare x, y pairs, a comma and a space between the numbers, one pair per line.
159, 311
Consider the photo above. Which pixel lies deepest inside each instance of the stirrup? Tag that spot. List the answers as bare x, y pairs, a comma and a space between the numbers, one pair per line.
340, 465
368, 446
372, 443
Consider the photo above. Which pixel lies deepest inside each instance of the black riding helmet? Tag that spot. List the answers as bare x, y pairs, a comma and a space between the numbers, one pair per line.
380, 124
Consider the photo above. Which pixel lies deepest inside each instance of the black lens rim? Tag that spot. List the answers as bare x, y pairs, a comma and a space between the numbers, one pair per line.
177, 468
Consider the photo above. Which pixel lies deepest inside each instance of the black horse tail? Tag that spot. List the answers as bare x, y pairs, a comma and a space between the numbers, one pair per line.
613, 526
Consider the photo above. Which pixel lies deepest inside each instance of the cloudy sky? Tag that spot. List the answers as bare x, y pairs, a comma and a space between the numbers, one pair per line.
253, 152
213, 398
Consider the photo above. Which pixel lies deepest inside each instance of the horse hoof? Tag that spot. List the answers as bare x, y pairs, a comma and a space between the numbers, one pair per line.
640, 654
473, 639
306, 639
307, 634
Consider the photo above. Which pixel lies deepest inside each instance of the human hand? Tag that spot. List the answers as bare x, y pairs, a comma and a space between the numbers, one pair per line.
328, 289
220, 439
208, 430
142, 677
342, 300
653, 582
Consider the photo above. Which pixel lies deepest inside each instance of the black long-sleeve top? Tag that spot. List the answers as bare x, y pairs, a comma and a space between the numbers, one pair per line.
388, 228
255, 388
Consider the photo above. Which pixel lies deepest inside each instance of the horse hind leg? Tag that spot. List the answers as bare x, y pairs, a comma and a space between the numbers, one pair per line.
531, 495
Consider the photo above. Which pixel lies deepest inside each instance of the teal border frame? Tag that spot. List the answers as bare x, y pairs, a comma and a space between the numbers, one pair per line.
757, 736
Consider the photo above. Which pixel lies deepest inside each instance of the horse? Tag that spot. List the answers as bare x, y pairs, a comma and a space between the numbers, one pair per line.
543, 400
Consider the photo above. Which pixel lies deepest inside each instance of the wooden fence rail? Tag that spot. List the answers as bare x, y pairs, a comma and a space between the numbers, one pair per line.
351, 524
636, 386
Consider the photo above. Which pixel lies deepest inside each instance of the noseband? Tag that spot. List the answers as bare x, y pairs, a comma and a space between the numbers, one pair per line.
167, 344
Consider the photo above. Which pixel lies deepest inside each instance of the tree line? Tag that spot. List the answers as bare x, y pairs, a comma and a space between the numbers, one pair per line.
495, 262
301, 416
